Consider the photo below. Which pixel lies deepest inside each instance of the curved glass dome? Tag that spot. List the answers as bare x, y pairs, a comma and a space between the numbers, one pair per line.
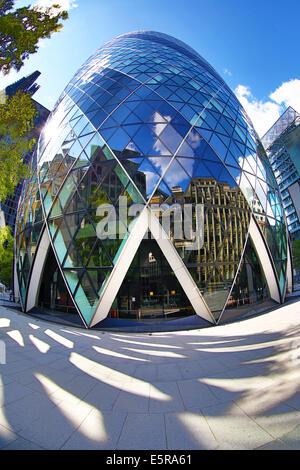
151, 197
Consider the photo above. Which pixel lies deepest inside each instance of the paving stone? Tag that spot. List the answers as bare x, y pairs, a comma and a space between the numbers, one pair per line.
102, 396
196, 394
276, 420
22, 444
53, 432
12, 392
275, 445
22, 412
143, 431
188, 430
292, 438
234, 429
134, 399
98, 431
165, 397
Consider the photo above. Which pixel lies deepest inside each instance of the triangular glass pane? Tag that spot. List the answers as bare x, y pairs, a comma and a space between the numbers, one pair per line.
189, 164
76, 221
72, 258
162, 194
94, 148
62, 241
114, 180
156, 117
97, 198
119, 140
107, 133
131, 165
131, 129
159, 163
85, 238
88, 129
143, 111
159, 149
202, 171
53, 226
158, 127
176, 176
121, 113
55, 163
185, 150
150, 175
85, 295
66, 193
74, 203
230, 160
132, 118
98, 278
225, 177
216, 293
82, 161
64, 167
85, 139
215, 168
56, 209
171, 138
204, 133
98, 257
182, 129
75, 150
250, 287
144, 139
88, 184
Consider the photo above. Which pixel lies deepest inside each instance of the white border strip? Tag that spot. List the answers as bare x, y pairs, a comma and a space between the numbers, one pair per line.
265, 261
37, 270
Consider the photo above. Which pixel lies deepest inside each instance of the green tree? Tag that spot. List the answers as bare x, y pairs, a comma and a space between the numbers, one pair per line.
6, 256
296, 254
16, 120
21, 30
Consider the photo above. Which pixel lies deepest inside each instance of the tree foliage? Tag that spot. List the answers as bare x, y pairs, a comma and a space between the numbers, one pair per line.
21, 29
296, 254
16, 120
6, 255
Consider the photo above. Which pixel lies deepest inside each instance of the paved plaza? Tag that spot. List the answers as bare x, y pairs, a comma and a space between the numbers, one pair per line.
235, 386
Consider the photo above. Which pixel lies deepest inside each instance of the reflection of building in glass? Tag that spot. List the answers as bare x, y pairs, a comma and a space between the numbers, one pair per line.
258, 212
148, 125
282, 144
27, 85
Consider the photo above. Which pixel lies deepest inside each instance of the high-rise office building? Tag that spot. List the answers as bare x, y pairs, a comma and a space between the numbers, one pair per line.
152, 195
282, 144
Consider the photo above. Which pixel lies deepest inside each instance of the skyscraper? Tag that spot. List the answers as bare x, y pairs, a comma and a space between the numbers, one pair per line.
152, 195
282, 144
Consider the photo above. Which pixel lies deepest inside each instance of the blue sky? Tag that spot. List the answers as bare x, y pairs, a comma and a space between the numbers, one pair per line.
253, 44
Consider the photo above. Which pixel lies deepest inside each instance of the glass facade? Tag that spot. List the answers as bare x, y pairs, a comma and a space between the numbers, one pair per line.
282, 144
146, 124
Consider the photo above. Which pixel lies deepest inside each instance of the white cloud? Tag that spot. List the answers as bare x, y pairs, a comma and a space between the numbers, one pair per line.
64, 4
288, 93
263, 114
227, 72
